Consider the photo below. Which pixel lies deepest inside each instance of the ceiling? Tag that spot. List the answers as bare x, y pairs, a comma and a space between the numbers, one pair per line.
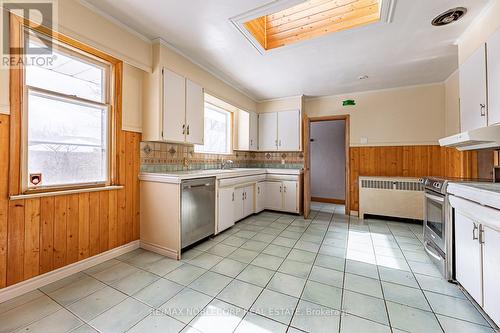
407, 51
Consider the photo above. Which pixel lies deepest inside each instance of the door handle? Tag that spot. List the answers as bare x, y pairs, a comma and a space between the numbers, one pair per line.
483, 109
474, 232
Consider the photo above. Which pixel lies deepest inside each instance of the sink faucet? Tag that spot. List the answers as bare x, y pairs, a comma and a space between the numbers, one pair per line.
225, 163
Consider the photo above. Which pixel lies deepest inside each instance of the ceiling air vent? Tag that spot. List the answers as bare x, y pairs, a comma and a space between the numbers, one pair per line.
449, 16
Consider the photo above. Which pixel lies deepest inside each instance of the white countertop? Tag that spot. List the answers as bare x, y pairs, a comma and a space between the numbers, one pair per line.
486, 194
177, 177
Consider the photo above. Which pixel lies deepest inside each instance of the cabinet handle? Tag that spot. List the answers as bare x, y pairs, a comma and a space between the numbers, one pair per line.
284, 189
188, 130
281, 189
483, 109
233, 196
183, 129
474, 232
258, 189
276, 142
280, 143
481, 235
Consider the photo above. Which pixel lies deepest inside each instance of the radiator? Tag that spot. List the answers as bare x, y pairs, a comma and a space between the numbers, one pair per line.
395, 197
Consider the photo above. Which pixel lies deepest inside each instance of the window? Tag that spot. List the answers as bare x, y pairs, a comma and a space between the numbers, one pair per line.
67, 129
217, 131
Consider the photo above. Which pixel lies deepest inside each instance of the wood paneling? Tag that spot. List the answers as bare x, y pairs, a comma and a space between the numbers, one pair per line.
407, 161
42, 234
311, 19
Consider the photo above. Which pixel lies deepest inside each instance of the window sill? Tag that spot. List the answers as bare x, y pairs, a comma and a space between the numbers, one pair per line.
65, 192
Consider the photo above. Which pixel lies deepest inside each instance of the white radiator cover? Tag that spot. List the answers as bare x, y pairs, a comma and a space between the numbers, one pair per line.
390, 196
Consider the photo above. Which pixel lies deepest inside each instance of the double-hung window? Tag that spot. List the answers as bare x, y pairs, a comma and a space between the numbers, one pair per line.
217, 131
67, 120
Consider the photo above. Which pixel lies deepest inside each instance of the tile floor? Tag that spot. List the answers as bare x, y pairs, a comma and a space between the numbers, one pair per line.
270, 273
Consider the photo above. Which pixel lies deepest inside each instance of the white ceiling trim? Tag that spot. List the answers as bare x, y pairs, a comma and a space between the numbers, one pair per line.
362, 92
213, 72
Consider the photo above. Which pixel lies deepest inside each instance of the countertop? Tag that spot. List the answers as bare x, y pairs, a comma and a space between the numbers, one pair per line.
486, 194
177, 177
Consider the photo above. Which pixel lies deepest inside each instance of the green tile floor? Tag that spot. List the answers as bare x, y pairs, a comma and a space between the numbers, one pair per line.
270, 273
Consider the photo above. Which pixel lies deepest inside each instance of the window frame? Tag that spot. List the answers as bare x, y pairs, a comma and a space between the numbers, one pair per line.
18, 184
230, 114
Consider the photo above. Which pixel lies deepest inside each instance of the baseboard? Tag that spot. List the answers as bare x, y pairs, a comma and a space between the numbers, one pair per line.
160, 250
328, 200
354, 213
60, 273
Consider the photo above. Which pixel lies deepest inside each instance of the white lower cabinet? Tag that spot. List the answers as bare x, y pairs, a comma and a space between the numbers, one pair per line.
260, 197
249, 201
225, 209
468, 255
290, 198
491, 269
274, 195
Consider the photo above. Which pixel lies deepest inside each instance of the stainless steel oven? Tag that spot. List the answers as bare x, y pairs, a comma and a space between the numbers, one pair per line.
438, 226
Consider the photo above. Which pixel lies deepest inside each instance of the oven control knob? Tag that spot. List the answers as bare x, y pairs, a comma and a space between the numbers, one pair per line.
437, 185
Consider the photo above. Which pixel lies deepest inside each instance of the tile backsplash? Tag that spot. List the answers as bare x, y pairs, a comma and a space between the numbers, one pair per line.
168, 157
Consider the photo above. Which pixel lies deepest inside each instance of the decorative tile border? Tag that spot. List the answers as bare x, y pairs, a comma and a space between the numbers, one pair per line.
167, 157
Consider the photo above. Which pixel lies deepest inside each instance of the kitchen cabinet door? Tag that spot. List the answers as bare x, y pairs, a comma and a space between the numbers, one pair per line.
225, 209
239, 201
494, 78
274, 195
195, 113
243, 130
254, 131
289, 130
249, 208
290, 202
268, 131
468, 255
473, 97
260, 197
174, 112
491, 272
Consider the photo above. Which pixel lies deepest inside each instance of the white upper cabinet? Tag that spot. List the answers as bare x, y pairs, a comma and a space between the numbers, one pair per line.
289, 130
473, 91
174, 107
246, 124
254, 131
493, 47
195, 113
280, 131
268, 131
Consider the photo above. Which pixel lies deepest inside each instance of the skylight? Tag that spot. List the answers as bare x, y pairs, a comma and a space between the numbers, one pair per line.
311, 19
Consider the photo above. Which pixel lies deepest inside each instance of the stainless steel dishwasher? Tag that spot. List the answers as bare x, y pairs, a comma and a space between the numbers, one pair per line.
197, 210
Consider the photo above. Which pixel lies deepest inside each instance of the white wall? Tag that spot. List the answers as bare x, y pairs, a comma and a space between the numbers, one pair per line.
328, 159
403, 116
280, 104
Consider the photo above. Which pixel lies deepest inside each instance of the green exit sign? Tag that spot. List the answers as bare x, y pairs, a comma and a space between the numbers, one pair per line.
349, 102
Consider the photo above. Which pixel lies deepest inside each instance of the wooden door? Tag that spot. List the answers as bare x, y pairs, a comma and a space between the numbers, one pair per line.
491, 272
174, 107
468, 255
268, 131
289, 130
307, 166
473, 102
225, 209
195, 113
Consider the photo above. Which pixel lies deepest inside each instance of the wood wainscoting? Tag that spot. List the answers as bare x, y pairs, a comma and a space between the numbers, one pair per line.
407, 161
42, 234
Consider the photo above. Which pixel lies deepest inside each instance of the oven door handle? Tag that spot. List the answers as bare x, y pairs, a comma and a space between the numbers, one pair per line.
429, 249
434, 197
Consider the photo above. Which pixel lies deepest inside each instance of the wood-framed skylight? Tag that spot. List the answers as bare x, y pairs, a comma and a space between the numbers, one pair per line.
310, 19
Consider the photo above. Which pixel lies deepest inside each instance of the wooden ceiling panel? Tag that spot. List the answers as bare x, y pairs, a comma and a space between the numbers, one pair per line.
311, 19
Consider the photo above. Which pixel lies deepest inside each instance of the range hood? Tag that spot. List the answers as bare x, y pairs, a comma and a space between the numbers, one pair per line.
481, 138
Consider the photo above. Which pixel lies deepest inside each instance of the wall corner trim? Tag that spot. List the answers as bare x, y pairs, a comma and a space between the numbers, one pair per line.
52, 276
